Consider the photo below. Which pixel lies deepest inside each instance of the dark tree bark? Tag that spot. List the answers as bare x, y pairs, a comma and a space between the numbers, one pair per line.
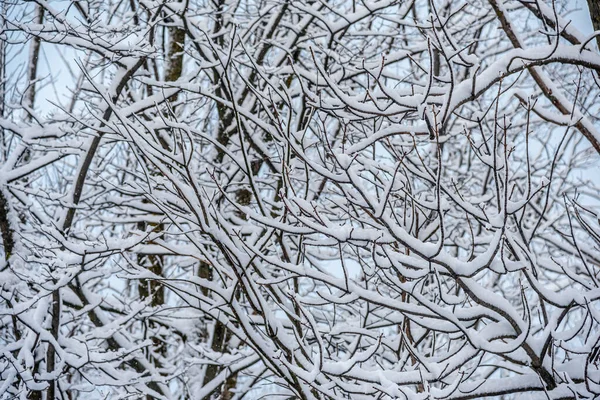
594, 6
149, 288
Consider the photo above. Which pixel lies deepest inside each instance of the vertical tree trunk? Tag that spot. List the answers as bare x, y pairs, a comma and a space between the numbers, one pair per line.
155, 262
175, 62
225, 131
594, 6
34, 55
29, 103
51, 352
6, 230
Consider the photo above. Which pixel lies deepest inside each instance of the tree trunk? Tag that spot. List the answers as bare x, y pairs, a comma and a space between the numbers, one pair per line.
29, 103
34, 55
594, 6
155, 262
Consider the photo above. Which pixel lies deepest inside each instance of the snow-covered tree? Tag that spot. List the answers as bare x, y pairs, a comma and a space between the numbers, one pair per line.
299, 199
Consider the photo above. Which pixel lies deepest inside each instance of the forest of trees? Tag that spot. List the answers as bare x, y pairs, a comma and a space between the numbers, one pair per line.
299, 199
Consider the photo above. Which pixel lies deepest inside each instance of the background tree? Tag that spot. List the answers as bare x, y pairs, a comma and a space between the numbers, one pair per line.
307, 199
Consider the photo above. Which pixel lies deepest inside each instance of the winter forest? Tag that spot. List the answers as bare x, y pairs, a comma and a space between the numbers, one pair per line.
299, 199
